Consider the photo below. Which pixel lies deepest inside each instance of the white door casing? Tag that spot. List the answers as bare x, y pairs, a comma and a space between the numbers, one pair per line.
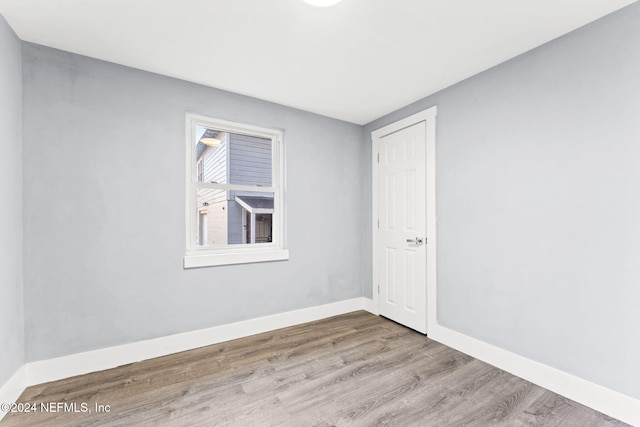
404, 220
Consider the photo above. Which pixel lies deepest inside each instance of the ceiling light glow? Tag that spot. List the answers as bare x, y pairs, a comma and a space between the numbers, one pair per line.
322, 3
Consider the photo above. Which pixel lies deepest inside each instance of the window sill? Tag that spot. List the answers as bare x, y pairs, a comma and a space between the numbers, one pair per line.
211, 260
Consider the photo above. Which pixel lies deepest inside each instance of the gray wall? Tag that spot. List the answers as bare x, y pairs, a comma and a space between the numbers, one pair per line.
104, 208
538, 203
11, 313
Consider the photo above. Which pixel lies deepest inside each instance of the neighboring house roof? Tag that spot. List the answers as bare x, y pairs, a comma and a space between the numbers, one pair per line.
256, 204
200, 147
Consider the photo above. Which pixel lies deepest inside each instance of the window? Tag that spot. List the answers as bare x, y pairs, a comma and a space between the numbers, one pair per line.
235, 193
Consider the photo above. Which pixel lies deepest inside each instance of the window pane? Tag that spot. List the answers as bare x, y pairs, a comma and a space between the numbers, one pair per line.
225, 157
234, 217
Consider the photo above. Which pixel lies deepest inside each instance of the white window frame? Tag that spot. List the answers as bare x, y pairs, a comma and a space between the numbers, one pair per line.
198, 256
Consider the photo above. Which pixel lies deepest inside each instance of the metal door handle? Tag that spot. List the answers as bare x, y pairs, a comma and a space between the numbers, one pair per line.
417, 241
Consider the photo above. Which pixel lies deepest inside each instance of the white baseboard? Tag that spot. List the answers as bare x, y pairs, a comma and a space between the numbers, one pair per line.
106, 358
13, 388
607, 401
602, 399
111, 357
368, 305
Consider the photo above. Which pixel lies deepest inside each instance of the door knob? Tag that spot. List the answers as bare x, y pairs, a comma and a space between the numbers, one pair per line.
417, 241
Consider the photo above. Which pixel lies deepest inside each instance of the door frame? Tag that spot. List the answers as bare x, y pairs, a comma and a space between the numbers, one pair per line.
429, 117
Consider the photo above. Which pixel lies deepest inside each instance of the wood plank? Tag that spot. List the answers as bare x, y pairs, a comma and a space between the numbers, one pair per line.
351, 370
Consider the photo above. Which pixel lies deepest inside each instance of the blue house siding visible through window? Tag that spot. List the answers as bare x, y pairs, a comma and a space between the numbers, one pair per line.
243, 160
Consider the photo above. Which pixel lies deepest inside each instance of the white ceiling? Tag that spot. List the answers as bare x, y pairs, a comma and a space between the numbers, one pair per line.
355, 61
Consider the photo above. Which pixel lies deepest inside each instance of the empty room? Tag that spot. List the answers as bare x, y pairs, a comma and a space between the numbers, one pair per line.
319, 213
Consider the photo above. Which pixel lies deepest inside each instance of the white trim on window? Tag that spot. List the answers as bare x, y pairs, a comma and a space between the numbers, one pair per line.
244, 257
203, 256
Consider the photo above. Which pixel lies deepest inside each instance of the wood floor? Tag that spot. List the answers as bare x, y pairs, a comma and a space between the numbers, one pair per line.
351, 370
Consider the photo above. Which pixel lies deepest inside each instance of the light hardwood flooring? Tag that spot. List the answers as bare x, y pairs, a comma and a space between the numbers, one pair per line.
351, 370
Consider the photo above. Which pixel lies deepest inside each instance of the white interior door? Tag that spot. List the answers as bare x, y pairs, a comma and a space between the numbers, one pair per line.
402, 229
